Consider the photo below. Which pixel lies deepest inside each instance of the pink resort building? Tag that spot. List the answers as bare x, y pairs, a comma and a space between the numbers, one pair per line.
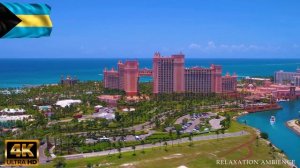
111, 100
170, 76
125, 78
277, 91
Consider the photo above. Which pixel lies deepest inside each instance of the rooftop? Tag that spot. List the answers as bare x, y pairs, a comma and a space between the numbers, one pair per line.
68, 102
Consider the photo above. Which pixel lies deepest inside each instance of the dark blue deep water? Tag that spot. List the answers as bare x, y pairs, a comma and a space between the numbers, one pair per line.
279, 134
20, 72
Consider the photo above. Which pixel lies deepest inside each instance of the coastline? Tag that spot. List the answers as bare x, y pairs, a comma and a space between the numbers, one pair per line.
267, 141
293, 126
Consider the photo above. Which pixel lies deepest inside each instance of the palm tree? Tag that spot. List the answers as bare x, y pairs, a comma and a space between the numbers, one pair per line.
119, 150
112, 146
120, 145
223, 132
191, 139
143, 143
171, 135
178, 133
160, 143
217, 132
133, 148
166, 145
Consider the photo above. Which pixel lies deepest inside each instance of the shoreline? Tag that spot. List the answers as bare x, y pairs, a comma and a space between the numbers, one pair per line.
268, 141
293, 126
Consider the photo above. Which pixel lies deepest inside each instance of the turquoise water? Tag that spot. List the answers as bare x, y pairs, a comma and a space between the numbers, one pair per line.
20, 72
279, 134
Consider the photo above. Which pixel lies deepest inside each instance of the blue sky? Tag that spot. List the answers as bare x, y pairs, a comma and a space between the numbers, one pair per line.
138, 28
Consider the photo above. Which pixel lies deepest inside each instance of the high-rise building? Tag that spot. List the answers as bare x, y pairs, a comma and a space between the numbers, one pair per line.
131, 78
282, 77
111, 79
69, 81
168, 74
216, 78
229, 83
125, 78
198, 80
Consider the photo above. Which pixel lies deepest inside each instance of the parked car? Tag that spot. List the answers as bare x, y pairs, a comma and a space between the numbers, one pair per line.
138, 138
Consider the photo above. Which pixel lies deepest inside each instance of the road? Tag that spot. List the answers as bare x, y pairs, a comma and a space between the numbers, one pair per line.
140, 147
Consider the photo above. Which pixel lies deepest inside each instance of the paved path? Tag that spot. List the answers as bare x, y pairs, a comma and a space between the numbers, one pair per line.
139, 147
43, 158
215, 123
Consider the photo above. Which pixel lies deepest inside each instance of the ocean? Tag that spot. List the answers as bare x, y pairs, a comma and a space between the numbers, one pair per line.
23, 72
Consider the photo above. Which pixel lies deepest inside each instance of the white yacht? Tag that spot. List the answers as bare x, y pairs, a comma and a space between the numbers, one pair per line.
272, 119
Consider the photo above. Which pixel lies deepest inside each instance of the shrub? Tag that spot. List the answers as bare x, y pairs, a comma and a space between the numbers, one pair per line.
264, 135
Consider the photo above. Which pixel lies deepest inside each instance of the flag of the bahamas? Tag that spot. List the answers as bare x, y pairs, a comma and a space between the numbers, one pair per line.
19, 20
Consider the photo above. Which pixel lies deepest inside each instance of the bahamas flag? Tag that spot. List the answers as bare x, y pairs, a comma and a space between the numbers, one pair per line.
18, 20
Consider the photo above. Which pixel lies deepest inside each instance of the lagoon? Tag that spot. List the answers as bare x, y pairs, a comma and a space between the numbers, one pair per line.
279, 134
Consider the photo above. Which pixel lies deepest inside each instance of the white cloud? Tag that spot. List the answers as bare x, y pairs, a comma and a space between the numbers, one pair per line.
211, 46
194, 46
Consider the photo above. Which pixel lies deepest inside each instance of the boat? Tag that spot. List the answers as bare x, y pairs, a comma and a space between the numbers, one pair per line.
272, 119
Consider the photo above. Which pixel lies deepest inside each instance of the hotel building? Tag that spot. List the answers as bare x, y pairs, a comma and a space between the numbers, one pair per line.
170, 76
229, 83
282, 77
125, 78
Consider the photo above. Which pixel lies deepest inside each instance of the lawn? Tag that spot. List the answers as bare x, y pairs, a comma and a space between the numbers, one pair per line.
235, 126
201, 154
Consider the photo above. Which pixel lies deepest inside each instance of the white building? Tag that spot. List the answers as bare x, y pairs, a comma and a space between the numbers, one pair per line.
67, 102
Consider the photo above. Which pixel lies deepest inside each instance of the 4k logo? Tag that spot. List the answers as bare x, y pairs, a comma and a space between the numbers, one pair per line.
21, 152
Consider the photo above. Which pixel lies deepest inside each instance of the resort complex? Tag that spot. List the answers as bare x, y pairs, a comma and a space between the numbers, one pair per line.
150, 84
192, 107
84, 123
170, 76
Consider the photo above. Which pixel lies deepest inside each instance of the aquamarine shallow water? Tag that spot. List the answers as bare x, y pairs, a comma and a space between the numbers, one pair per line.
20, 72
279, 134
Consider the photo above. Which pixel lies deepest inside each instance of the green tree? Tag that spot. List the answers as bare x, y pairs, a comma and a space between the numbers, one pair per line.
166, 145
217, 133
89, 165
223, 132
143, 143
178, 128
133, 148
191, 139
171, 135
264, 135
59, 162
119, 150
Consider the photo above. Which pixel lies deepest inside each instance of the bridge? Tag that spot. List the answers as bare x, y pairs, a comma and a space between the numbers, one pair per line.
145, 72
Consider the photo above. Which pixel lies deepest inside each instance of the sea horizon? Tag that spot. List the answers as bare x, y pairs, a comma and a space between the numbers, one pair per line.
20, 72
124, 58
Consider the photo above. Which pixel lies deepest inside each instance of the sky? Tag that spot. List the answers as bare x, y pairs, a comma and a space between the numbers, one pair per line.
138, 28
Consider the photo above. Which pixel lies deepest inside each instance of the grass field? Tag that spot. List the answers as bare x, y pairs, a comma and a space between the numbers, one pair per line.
201, 154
